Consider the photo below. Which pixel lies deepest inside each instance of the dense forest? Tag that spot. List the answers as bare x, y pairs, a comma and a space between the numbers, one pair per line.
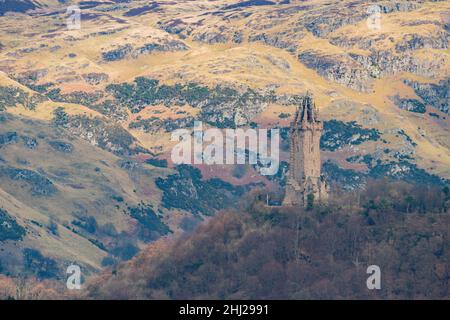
318, 252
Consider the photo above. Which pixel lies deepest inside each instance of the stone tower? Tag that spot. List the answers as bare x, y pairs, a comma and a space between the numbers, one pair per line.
304, 176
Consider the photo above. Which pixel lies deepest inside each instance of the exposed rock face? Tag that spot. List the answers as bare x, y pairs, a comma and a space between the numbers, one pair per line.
237, 111
117, 54
249, 3
324, 21
359, 41
355, 71
141, 10
38, 184
61, 146
287, 40
387, 63
13, 96
237, 37
221, 106
99, 132
252, 80
108, 136
30, 77
415, 41
358, 71
340, 69
167, 45
17, 6
397, 170
30, 143
176, 26
8, 138
187, 190
338, 134
9, 228
210, 37
153, 125
95, 78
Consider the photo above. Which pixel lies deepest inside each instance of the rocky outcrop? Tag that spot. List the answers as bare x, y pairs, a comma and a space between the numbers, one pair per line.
340, 69
220, 106
12, 138
8, 138
211, 37
386, 62
30, 77
279, 62
238, 37
30, 142
321, 22
61, 146
18, 6
99, 132
249, 3
397, 170
187, 190
9, 228
287, 40
117, 54
13, 96
39, 185
409, 42
415, 41
176, 26
362, 42
357, 71
163, 46
154, 124
95, 78
338, 134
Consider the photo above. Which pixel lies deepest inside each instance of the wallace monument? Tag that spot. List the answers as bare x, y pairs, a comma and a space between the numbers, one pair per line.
305, 183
